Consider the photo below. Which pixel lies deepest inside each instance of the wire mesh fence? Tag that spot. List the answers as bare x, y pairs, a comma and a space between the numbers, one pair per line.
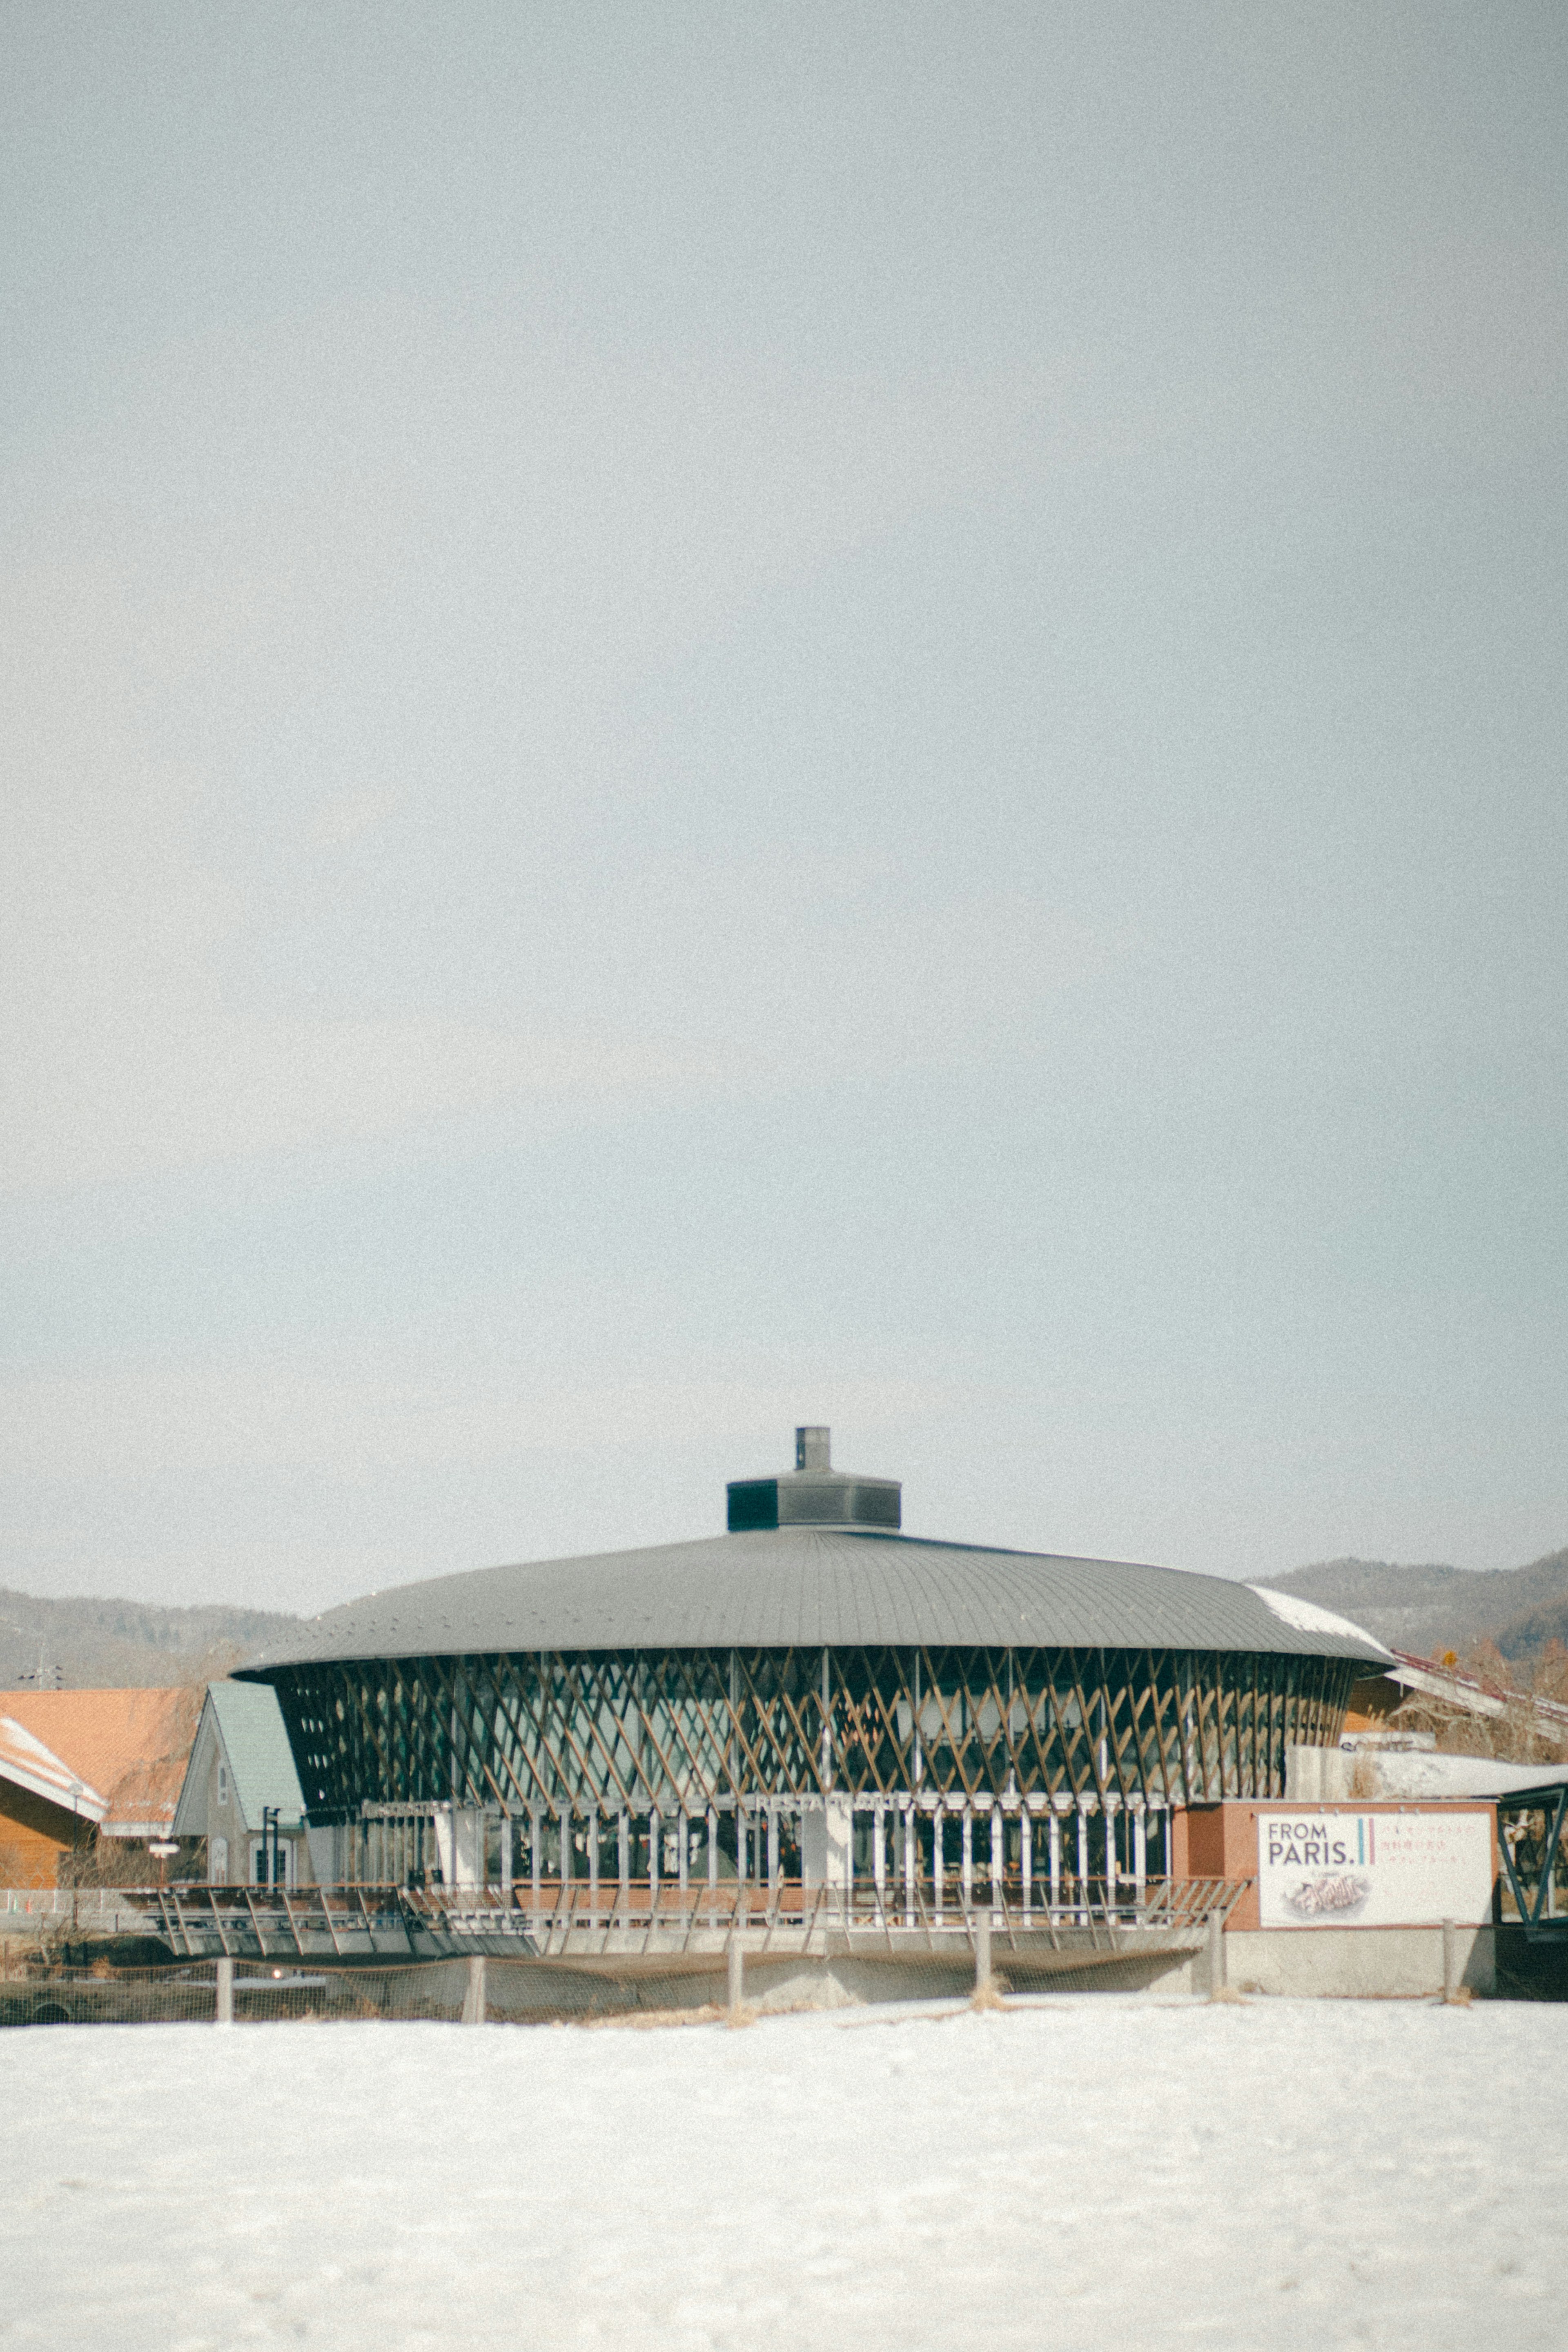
45, 1995
738, 1975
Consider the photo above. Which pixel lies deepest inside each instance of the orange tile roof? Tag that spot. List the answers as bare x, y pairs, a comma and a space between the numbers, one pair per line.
27, 1764
132, 1744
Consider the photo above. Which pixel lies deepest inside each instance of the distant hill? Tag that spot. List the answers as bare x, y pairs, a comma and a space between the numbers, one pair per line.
94, 1644
123, 1645
1433, 1609
1526, 1637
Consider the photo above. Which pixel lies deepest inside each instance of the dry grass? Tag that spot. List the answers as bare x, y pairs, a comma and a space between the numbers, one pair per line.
649, 2020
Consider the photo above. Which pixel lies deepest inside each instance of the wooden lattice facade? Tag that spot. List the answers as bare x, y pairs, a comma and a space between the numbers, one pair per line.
683, 1730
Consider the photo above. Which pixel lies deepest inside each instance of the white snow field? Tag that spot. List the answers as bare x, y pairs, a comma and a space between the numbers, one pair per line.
1089, 2171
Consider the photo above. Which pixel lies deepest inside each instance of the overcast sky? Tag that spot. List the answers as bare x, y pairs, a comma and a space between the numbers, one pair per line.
724, 716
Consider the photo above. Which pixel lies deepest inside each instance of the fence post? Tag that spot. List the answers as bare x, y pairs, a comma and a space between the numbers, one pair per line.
223, 2005
473, 1997
736, 1973
1450, 1960
983, 1953
1216, 1953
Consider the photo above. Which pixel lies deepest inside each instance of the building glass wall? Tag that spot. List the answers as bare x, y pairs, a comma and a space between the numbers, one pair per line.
685, 1731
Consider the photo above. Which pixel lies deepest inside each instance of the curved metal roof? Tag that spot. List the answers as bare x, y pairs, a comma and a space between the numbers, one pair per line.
783, 1588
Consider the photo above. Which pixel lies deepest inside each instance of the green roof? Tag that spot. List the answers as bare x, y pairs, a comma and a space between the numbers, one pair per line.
259, 1757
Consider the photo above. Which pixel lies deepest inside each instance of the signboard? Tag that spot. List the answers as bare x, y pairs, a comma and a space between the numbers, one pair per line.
1342, 1868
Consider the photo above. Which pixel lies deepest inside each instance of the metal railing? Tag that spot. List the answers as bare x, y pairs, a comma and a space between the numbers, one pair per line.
357, 1922
95, 1910
347, 1924
575, 1978
578, 1905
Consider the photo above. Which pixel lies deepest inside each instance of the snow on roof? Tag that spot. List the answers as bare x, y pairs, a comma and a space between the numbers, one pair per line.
133, 1743
797, 1586
1444, 1677
1306, 1617
27, 1763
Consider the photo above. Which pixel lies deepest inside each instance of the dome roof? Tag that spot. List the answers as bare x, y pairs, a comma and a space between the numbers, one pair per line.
784, 1587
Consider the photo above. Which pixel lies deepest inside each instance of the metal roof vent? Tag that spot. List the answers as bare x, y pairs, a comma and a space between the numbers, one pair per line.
814, 1495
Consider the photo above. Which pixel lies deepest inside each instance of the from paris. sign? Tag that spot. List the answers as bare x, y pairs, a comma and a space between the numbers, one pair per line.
1345, 1868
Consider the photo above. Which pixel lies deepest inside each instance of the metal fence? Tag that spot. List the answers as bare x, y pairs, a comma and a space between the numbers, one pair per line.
86, 1910
217, 1992
345, 1923
586, 1980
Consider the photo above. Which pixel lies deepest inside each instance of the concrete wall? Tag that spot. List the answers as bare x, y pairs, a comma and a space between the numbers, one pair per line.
777, 1982
1350, 1963
322, 1862
827, 1828
460, 1844
1327, 1963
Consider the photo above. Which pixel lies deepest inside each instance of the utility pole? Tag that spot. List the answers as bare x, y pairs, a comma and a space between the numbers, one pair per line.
76, 1856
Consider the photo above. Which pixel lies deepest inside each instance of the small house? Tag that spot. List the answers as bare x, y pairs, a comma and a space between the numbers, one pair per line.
242, 1793
46, 1809
132, 1746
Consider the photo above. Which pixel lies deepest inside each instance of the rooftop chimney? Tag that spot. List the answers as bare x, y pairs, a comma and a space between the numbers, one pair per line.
813, 1449
815, 1495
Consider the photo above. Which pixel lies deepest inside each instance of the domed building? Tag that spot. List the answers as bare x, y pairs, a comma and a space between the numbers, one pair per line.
812, 1695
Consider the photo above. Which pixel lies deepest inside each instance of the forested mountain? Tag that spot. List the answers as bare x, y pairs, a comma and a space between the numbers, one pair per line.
1432, 1609
90, 1643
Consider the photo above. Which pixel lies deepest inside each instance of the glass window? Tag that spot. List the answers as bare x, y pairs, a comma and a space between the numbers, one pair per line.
260, 1857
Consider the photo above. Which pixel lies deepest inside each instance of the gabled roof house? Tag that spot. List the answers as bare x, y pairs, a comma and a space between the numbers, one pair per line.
241, 1792
131, 1744
45, 1808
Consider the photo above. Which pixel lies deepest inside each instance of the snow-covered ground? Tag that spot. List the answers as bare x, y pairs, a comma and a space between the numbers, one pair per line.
1092, 2171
